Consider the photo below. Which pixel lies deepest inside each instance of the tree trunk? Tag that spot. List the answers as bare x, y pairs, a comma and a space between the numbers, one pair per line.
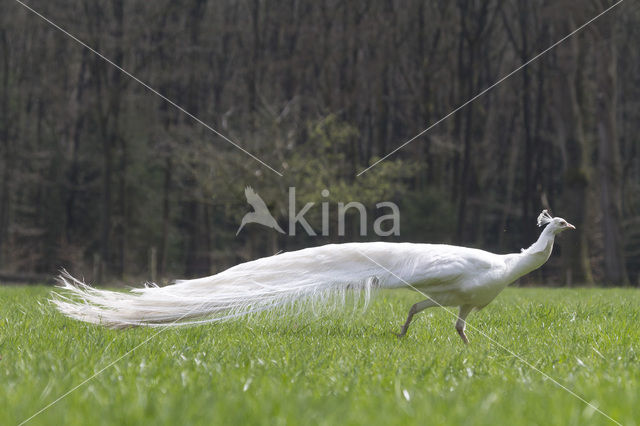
609, 163
577, 269
74, 168
6, 161
166, 214
118, 139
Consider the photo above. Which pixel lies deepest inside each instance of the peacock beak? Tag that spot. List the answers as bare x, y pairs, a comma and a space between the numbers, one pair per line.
570, 226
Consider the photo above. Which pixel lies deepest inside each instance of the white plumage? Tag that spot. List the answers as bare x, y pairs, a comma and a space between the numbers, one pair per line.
448, 275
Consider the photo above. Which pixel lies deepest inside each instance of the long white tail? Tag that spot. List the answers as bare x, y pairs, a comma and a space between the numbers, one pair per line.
313, 275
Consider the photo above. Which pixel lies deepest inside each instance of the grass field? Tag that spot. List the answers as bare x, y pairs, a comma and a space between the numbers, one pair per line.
344, 369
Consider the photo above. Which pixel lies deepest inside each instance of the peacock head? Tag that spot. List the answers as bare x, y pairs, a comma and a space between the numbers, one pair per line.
555, 224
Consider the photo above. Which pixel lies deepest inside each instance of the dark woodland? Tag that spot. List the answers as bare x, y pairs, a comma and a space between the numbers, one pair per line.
103, 177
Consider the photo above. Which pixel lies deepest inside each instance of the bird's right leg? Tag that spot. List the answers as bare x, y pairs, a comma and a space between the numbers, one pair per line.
462, 322
420, 306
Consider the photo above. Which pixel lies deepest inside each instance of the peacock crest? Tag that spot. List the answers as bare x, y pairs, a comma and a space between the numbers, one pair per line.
544, 218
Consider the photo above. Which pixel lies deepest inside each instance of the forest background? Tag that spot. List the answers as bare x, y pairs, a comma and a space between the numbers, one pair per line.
103, 177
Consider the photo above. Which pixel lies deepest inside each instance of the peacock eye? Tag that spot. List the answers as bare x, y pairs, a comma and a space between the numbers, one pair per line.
563, 223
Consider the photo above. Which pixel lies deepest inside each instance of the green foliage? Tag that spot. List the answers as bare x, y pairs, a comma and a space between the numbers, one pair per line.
345, 369
328, 160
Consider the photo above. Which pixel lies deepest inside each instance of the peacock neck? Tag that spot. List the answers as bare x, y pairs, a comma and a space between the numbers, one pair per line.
533, 257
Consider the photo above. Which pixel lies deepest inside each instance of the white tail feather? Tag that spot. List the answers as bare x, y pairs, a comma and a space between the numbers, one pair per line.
315, 276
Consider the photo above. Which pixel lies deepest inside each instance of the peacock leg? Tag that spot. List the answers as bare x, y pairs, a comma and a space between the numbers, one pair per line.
461, 323
420, 306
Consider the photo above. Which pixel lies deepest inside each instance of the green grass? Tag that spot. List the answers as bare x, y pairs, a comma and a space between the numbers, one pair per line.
343, 369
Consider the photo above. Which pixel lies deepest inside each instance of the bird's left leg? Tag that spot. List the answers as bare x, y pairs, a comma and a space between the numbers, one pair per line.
461, 323
420, 306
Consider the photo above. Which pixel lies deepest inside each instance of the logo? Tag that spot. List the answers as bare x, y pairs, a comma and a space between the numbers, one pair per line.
384, 225
260, 213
